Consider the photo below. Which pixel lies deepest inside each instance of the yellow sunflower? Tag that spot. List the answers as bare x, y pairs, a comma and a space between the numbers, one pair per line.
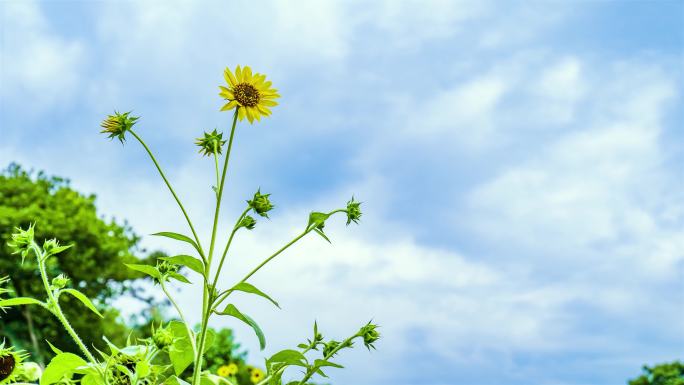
249, 92
227, 370
257, 375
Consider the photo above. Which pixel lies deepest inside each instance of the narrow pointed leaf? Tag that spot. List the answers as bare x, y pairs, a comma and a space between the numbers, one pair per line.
232, 311
147, 269
178, 237
86, 301
20, 301
192, 263
249, 288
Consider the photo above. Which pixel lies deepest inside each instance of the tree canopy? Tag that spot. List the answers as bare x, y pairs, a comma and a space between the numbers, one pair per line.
95, 263
661, 374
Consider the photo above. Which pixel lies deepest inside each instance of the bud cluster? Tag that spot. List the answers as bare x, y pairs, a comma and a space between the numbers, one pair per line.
370, 335
162, 337
260, 203
212, 141
247, 222
116, 126
353, 211
21, 241
60, 281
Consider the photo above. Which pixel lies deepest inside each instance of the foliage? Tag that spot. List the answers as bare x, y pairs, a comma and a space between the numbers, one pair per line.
176, 346
661, 374
99, 245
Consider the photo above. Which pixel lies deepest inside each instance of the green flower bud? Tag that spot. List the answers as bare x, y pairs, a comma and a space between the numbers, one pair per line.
60, 281
52, 247
353, 211
260, 203
115, 126
165, 268
162, 337
370, 334
248, 222
210, 142
21, 241
329, 346
332, 345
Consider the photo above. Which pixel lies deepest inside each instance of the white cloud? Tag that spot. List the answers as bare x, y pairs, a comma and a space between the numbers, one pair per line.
36, 64
600, 185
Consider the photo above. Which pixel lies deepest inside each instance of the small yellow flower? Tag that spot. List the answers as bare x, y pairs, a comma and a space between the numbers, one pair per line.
257, 375
249, 92
227, 370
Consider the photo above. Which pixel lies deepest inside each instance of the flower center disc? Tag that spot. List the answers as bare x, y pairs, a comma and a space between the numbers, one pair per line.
246, 94
6, 366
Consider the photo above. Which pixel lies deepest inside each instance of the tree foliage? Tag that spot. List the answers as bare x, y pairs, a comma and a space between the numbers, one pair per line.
95, 263
661, 374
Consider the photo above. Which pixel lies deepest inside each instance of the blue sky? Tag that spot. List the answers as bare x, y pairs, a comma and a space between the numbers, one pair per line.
520, 164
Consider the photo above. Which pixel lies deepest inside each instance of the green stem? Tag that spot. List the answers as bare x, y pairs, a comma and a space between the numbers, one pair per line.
208, 291
230, 240
161, 173
311, 371
191, 335
217, 167
226, 293
54, 307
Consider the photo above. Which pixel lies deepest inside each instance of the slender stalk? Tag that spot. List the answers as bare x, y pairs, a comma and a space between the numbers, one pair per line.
161, 173
226, 293
216, 164
311, 371
230, 240
209, 291
54, 307
191, 335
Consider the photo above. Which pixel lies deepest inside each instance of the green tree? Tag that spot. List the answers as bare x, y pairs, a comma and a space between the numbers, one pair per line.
661, 374
95, 263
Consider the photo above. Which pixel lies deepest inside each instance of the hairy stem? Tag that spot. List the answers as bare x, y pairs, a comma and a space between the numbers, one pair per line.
54, 307
191, 335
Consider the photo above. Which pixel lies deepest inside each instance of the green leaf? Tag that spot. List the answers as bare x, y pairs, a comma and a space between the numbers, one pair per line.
209, 340
290, 357
86, 301
191, 262
178, 237
179, 277
147, 269
232, 311
249, 288
62, 365
322, 234
180, 352
20, 301
54, 349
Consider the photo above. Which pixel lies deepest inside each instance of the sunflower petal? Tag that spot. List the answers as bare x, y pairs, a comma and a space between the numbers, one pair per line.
238, 74
230, 78
270, 103
246, 74
229, 106
241, 113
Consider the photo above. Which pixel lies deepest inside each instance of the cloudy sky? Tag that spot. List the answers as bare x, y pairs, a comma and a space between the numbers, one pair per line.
520, 164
